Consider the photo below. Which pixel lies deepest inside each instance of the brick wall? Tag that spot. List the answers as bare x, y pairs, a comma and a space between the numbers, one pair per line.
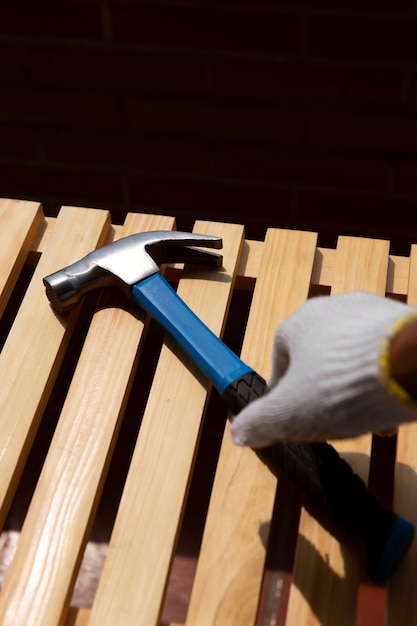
297, 114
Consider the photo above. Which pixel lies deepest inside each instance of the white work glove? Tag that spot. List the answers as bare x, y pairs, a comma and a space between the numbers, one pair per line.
330, 374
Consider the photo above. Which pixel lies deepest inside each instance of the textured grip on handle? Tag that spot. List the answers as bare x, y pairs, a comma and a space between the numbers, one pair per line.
243, 391
333, 492
340, 500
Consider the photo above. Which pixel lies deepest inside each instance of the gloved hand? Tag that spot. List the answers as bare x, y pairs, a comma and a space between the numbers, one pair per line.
331, 374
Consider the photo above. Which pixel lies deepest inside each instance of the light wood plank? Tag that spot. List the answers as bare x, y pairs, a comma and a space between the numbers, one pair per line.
250, 259
326, 573
238, 585
39, 581
77, 617
398, 275
402, 600
31, 355
19, 223
143, 541
230, 567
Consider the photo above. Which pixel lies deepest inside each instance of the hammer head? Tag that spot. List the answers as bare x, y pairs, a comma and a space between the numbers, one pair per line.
126, 262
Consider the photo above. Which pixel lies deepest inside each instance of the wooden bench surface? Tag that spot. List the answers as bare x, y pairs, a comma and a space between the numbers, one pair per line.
232, 582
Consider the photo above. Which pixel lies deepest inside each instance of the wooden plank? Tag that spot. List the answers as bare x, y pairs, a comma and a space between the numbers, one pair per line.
39, 581
19, 223
396, 280
412, 277
326, 573
143, 540
230, 567
361, 264
250, 259
78, 617
398, 275
33, 350
402, 601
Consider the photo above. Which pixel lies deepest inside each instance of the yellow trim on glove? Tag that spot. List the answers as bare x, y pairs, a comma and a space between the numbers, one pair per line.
393, 387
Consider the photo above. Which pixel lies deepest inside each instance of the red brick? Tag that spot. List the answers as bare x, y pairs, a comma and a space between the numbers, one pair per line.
360, 131
20, 142
11, 67
206, 27
412, 95
356, 214
310, 82
215, 120
314, 4
75, 20
66, 186
246, 204
405, 177
363, 37
300, 167
48, 106
364, 5
110, 67
124, 150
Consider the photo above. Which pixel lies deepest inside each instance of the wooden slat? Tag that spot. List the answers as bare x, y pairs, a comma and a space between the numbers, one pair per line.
398, 275
78, 617
39, 581
323, 269
19, 223
326, 573
248, 270
144, 536
230, 567
31, 355
402, 600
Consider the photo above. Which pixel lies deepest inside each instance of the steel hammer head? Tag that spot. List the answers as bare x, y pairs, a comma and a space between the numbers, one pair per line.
126, 262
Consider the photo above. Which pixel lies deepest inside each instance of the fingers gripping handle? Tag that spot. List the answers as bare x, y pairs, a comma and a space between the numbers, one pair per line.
327, 482
331, 488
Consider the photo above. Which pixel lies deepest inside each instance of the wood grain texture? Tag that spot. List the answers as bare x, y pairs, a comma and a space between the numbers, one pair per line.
35, 345
231, 563
19, 224
326, 573
402, 600
230, 567
250, 259
39, 582
144, 536
77, 617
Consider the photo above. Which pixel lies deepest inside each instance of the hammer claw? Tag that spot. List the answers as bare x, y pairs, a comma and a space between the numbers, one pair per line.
187, 254
182, 247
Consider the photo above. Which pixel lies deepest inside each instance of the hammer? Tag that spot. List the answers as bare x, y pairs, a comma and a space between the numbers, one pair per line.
332, 491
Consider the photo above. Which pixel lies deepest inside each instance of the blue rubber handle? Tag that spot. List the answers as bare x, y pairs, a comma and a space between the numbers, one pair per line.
221, 366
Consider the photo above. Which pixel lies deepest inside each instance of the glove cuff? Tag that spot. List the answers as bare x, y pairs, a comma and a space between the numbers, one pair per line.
385, 370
